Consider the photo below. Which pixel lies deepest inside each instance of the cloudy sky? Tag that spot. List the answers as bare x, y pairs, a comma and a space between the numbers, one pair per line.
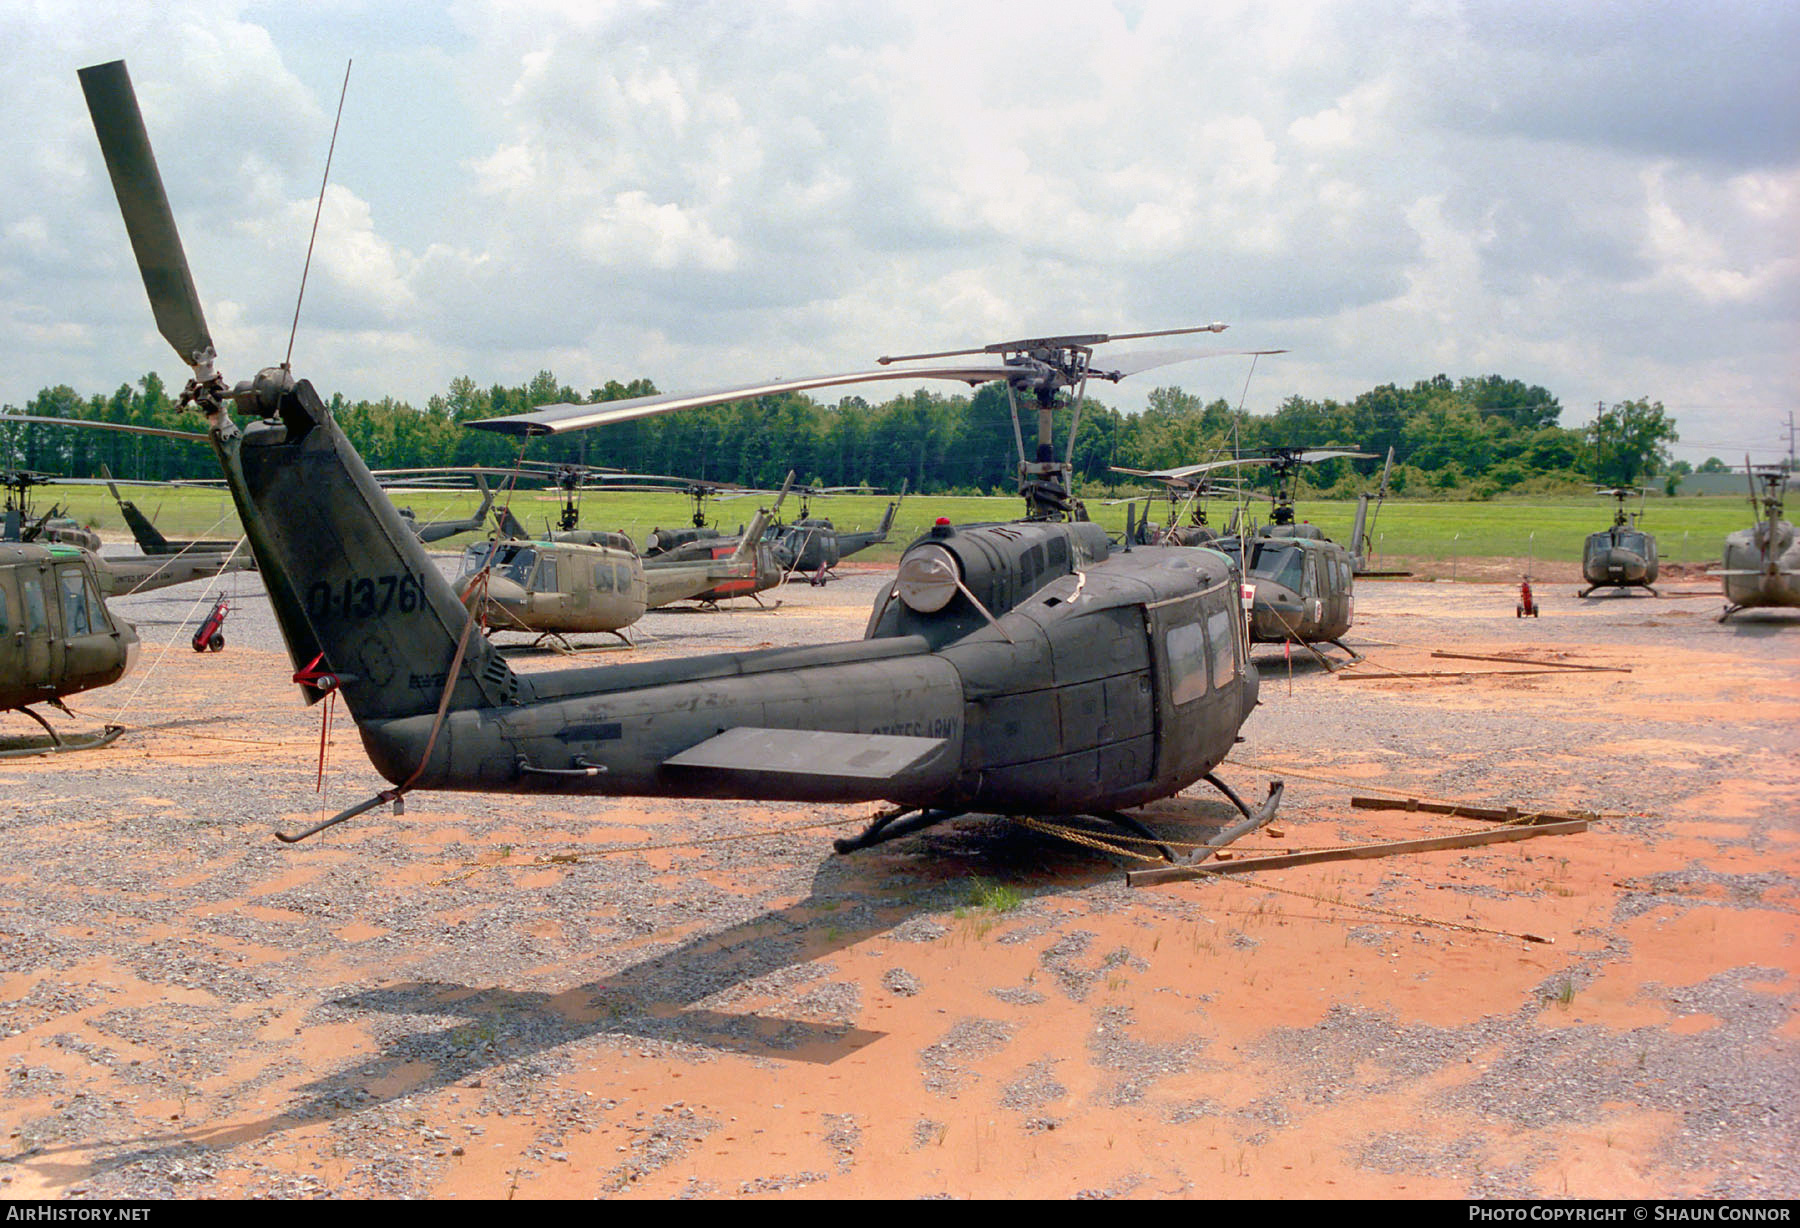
1600, 198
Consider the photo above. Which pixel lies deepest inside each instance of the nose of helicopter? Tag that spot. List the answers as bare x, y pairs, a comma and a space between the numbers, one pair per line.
502, 591
499, 590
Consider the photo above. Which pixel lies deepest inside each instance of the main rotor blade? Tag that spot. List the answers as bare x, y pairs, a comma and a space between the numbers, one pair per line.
1188, 471
1086, 341
145, 206
1314, 455
1130, 364
94, 424
555, 419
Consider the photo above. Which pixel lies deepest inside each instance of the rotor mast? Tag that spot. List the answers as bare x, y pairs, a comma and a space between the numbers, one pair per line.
1043, 367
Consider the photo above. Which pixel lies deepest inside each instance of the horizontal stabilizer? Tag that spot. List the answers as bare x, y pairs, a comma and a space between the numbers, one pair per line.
807, 752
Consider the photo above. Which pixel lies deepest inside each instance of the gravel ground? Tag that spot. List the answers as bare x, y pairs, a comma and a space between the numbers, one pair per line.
429, 1005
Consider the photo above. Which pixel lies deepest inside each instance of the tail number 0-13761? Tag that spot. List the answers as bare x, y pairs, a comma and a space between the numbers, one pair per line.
363, 597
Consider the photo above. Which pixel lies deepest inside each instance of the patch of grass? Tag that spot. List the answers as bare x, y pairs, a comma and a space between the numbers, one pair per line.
995, 897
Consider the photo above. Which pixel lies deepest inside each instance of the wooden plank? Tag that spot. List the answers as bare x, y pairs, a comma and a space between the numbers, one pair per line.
1507, 814
1498, 835
1457, 673
1598, 669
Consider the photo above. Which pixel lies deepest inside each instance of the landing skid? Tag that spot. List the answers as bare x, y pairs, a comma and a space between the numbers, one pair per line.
1352, 656
53, 743
714, 607
558, 642
894, 824
1621, 587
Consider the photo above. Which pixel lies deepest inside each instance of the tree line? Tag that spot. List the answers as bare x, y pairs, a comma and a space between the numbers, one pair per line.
1471, 437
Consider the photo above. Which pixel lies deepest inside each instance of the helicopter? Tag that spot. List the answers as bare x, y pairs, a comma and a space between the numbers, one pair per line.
1301, 583
53, 527
813, 546
1304, 583
437, 530
1622, 556
1187, 487
144, 531
1023, 668
1762, 562
57, 638
1362, 529
744, 564
115, 575
584, 580
698, 564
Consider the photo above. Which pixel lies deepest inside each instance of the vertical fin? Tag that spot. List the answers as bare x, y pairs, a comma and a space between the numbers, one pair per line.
351, 586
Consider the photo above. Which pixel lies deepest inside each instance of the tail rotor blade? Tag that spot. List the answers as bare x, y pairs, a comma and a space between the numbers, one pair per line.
148, 219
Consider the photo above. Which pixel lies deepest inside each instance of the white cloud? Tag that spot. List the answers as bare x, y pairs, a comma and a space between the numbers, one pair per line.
699, 191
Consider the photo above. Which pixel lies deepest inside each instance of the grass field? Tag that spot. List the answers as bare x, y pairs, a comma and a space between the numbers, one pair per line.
1553, 529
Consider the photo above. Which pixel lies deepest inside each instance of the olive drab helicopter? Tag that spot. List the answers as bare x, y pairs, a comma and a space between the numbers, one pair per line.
1622, 556
812, 545
744, 564
1186, 488
54, 527
585, 580
1362, 528
116, 575
1762, 562
148, 537
57, 638
699, 564
429, 531
1022, 668
1301, 583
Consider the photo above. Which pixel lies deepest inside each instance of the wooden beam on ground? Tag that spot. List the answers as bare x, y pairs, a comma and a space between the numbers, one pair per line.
1508, 814
1598, 669
1497, 835
1346, 676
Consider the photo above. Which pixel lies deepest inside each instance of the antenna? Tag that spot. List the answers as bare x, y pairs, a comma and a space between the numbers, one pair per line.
287, 362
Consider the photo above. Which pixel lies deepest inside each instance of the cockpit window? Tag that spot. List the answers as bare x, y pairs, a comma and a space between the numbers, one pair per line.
1280, 564
513, 562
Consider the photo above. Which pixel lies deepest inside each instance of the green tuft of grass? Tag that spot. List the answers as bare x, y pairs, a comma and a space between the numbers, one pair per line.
995, 897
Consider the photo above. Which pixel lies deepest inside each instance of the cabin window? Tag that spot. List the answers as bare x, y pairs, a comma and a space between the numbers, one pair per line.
1186, 647
79, 615
1224, 647
5, 618
546, 577
1059, 552
603, 579
622, 574
35, 621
